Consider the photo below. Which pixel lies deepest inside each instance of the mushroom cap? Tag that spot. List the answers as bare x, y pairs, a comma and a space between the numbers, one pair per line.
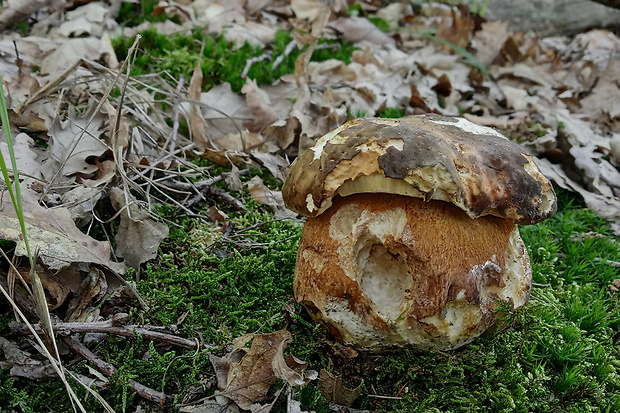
428, 156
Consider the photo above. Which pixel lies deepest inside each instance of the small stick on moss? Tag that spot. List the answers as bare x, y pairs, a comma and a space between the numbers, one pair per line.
376, 396
172, 140
205, 188
108, 369
189, 186
220, 193
287, 51
178, 186
250, 62
114, 326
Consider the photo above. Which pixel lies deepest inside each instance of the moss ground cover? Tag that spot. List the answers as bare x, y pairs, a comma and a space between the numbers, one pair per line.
559, 354
178, 55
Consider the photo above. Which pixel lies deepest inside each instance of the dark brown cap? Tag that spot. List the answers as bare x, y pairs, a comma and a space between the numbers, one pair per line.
430, 157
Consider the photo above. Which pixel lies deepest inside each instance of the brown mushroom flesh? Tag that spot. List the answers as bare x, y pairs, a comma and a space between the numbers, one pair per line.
383, 270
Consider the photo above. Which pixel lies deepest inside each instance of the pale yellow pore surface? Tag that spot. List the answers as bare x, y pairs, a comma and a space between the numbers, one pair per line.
362, 174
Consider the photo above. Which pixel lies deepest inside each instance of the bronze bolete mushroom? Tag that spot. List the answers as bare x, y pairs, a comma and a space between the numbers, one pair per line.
411, 237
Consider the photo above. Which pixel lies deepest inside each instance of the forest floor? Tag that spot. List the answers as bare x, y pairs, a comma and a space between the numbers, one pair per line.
152, 139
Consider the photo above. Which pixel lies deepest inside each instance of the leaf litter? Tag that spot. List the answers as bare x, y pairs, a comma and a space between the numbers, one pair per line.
81, 147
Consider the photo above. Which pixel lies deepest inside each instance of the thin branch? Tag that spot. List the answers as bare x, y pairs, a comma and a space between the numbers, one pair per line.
220, 193
114, 326
108, 369
172, 140
189, 186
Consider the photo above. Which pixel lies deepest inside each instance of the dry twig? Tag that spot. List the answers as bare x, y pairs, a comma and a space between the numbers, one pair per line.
113, 326
108, 369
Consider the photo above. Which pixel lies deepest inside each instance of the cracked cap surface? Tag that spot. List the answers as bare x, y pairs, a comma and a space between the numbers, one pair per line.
429, 157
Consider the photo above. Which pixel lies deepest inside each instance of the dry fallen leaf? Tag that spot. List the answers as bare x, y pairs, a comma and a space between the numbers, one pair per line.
74, 141
57, 290
15, 11
139, 235
604, 206
358, 29
21, 363
273, 199
25, 157
614, 148
457, 28
335, 391
224, 113
249, 380
245, 375
307, 9
260, 104
89, 20
605, 98
93, 287
276, 164
489, 40
81, 201
54, 233
65, 52
215, 215
196, 121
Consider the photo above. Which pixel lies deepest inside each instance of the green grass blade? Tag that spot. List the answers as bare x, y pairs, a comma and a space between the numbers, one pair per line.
4, 117
468, 56
15, 196
431, 34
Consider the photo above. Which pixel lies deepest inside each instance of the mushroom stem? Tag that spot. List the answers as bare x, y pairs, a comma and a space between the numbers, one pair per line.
385, 270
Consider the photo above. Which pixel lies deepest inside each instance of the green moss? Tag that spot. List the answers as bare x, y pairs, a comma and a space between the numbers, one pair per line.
41, 396
380, 23
178, 56
391, 113
216, 295
10, 396
132, 14
558, 354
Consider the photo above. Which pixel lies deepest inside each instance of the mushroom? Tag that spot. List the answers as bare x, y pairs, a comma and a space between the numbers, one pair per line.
411, 237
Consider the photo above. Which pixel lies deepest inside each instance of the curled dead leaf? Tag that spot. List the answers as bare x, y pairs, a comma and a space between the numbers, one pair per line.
197, 122
335, 391
261, 106
73, 141
139, 235
273, 199
93, 287
81, 201
54, 233
245, 375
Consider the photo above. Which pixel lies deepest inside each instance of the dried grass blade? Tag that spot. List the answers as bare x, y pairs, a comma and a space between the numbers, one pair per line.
19, 211
92, 116
58, 368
